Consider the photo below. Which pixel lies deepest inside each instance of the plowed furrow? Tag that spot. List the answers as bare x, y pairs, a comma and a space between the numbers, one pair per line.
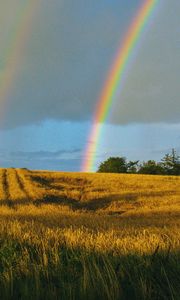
21, 185
16, 193
5, 184
6, 199
35, 191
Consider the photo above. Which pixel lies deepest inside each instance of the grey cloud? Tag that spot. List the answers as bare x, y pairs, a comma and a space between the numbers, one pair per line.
57, 160
45, 155
151, 93
67, 58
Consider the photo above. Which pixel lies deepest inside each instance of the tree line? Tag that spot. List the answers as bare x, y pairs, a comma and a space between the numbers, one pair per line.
169, 165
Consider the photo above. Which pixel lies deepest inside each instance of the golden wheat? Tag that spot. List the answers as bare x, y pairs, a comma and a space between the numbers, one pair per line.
93, 226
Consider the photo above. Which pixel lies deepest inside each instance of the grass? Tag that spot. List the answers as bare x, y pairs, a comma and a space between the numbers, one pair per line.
89, 236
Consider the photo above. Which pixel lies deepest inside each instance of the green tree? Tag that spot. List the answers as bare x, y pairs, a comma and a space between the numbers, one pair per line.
132, 166
151, 167
113, 165
171, 163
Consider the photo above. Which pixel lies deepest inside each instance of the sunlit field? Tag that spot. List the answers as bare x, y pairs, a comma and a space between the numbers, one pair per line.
89, 236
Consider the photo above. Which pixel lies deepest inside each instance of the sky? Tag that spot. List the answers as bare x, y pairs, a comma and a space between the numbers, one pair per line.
53, 68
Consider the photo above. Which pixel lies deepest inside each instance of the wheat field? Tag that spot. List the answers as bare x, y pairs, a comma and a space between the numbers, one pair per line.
89, 236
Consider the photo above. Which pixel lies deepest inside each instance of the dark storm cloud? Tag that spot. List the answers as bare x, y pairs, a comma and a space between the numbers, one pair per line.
69, 53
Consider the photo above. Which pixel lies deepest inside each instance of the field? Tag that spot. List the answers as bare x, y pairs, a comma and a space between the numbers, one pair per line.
89, 236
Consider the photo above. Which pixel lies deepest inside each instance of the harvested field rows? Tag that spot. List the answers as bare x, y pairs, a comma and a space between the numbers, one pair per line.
4, 187
112, 193
89, 236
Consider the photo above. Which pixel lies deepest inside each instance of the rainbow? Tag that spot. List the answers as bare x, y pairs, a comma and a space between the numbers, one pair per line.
115, 80
13, 53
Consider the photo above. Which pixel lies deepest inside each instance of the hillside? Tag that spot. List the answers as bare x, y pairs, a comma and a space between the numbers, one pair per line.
89, 236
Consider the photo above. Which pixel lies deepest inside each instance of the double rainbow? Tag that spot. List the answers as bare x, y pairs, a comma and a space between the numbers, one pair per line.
115, 80
14, 51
